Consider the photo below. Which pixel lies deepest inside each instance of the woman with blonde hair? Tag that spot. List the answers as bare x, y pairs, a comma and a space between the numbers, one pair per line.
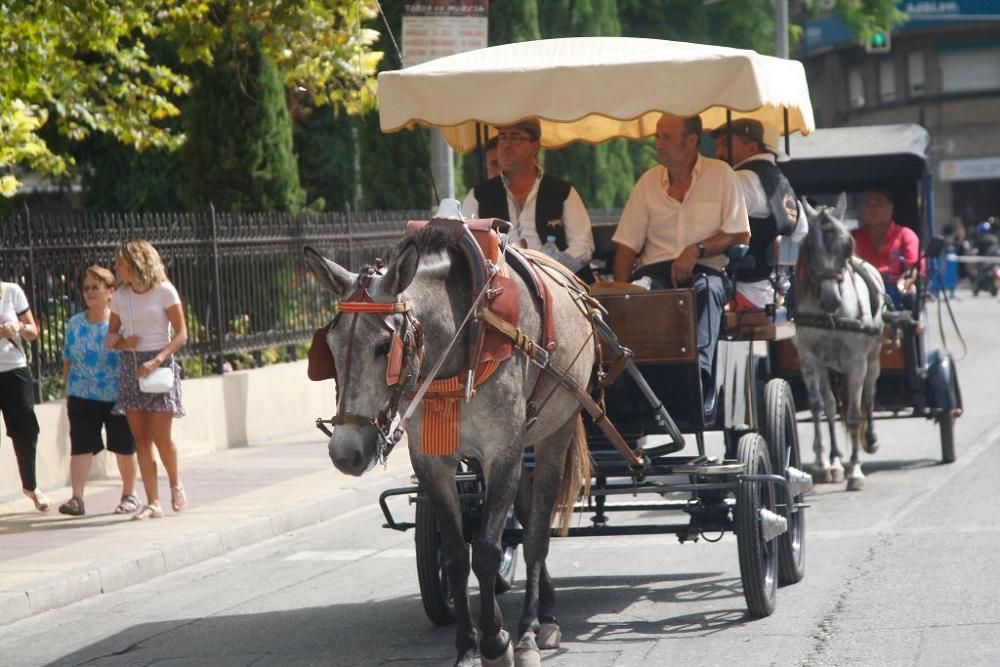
147, 321
90, 375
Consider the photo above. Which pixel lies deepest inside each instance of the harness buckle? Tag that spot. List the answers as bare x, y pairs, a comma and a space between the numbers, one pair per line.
542, 354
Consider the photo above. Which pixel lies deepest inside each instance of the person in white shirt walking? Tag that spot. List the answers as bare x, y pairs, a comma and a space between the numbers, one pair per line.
147, 321
17, 394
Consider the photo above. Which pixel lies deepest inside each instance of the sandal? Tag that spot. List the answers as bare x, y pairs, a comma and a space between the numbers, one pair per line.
129, 504
148, 512
178, 499
42, 502
73, 507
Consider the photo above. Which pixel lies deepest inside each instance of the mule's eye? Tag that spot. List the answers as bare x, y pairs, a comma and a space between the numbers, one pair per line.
382, 349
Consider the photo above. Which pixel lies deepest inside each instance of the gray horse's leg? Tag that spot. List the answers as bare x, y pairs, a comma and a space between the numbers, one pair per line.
550, 461
811, 376
852, 409
502, 481
830, 408
437, 477
870, 441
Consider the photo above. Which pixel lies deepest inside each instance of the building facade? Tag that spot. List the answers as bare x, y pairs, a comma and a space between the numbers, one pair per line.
940, 69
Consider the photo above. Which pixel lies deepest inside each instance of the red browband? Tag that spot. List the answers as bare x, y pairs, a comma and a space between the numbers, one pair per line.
371, 307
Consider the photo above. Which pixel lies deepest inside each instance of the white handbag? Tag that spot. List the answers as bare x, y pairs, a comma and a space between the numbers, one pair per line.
161, 380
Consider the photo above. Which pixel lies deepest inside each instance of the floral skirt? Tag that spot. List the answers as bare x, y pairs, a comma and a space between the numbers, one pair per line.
129, 396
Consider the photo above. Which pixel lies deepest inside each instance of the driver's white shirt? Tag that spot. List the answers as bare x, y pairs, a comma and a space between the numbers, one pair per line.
658, 227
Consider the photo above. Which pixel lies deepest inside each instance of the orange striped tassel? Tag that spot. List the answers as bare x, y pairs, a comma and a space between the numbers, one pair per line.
439, 434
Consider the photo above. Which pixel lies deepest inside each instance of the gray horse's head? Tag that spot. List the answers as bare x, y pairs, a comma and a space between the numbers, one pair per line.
361, 343
825, 253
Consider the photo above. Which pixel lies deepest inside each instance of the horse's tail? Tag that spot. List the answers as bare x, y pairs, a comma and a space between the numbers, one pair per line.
576, 477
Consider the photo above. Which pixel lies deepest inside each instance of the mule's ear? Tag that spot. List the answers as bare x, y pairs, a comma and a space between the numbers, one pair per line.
810, 211
841, 208
334, 277
399, 274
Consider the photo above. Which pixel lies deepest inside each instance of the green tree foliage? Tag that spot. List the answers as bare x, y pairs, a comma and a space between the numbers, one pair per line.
239, 153
326, 145
116, 177
84, 67
395, 168
602, 174
514, 22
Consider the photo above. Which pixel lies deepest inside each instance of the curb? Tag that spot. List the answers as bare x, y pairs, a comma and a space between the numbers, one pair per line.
73, 586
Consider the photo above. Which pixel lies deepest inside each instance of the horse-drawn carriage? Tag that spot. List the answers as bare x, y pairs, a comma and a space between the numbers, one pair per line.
507, 452
914, 381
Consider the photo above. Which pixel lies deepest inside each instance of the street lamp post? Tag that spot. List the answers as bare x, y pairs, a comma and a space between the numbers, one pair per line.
781, 28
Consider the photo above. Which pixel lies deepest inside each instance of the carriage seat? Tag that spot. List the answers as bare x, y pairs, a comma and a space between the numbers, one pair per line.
771, 322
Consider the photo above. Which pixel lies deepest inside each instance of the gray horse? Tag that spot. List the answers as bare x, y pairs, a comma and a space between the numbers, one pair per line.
838, 322
434, 279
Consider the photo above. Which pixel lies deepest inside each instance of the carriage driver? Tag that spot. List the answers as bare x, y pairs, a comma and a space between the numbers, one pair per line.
771, 204
678, 222
536, 204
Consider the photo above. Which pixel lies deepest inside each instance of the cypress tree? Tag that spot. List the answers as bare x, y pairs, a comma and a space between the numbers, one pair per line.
602, 174
239, 148
326, 144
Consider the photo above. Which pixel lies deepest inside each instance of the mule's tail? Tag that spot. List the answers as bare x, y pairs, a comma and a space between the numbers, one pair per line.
576, 477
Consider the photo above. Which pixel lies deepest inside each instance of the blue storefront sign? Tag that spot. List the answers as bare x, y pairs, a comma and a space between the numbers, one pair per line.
830, 30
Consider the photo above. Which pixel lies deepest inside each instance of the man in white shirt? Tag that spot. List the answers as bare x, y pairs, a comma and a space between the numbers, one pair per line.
771, 203
537, 205
678, 222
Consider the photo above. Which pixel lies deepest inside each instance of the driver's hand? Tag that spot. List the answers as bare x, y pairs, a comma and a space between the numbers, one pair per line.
683, 266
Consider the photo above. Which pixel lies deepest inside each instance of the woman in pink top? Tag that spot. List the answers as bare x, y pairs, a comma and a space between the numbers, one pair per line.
890, 248
144, 312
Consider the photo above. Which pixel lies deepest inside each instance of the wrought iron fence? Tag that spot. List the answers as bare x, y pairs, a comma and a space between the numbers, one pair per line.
241, 277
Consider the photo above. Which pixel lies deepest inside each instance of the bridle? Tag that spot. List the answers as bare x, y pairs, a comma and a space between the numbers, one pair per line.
405, 355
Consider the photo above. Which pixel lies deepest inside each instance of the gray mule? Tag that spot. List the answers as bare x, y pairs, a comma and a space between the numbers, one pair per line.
435, 279
839, 323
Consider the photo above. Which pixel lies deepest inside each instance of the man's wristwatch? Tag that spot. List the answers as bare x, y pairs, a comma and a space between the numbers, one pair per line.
701, 249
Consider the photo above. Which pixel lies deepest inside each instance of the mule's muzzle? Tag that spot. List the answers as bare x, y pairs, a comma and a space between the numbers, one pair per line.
353, 449
829, 296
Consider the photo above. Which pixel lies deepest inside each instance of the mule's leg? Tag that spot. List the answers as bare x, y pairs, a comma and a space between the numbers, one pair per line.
811, 376
437, 477
550, 461
870, 441
502, 479
854, 378
830, 408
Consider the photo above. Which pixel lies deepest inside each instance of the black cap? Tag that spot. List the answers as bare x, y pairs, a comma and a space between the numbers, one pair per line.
742, 127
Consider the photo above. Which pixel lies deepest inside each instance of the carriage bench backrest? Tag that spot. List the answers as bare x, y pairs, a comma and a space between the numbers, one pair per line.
657, 325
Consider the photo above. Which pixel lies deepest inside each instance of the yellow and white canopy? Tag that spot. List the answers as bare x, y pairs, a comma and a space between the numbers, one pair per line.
592, 89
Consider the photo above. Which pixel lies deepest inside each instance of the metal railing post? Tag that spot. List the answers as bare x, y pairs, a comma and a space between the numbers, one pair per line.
220, 326
36, 353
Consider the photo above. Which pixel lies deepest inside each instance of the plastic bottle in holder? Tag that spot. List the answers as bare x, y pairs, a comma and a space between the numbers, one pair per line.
549, 247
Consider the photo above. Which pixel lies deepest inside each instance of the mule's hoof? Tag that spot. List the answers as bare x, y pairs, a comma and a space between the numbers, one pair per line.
870, 445
821, 475
836, 475
549, 635
505, 660
467, 659
528, 657
856, 484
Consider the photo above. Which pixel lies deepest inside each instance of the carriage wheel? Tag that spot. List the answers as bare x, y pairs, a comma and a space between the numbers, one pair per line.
758, 557
508, 561
782, 434
435, 592
946, 423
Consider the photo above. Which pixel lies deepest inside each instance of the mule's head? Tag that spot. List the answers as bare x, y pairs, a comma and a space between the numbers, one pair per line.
361, 344
824, 254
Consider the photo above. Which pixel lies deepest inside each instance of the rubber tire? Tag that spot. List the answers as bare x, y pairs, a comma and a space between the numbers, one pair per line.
508, 563
435, 591
781, 431
758, 559
946, 424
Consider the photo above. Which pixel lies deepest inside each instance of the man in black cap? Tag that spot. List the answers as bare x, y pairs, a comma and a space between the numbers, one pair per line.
771, 204
539, 206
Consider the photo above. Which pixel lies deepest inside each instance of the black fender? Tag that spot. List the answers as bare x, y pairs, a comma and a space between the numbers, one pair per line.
943, 393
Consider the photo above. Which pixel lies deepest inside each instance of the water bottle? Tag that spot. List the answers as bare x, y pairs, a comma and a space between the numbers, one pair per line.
549, 247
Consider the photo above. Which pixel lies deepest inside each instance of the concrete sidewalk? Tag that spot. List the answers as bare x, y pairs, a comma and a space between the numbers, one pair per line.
236, 497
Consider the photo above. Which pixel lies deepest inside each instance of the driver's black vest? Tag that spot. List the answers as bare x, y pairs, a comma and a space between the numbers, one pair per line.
552, 192
784, 212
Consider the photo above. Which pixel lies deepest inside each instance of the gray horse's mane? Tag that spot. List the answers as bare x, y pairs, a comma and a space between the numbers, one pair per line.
426, 240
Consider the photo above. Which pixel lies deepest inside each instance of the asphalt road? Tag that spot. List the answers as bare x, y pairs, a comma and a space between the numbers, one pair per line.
903, 573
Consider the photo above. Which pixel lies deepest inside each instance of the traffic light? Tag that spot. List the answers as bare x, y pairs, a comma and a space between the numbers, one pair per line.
879, 42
